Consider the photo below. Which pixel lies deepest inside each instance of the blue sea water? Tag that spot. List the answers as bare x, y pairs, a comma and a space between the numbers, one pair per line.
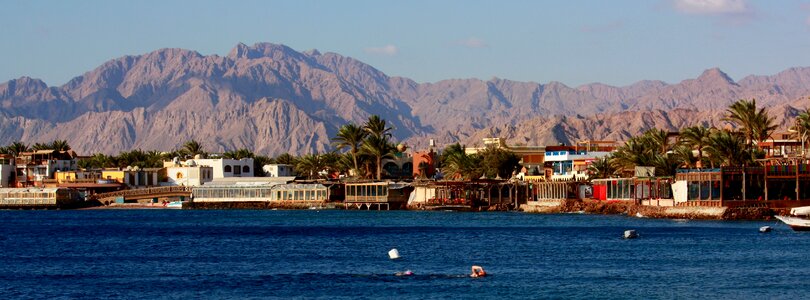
333, 254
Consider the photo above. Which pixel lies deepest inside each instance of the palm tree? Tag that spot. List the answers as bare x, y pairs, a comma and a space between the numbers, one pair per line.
802, 127
40, 146
285, 159
657, 139
258, 165
59, 145
727, 149
239, 154
350, 135
685, 156
455, 162
379, 148
17, 148
757, 125
498, 162
695, 137
192, 148
377, 127
98, 160
311, 164
601, 168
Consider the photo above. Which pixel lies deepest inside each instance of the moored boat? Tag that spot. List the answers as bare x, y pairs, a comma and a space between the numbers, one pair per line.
175, 205
799, 218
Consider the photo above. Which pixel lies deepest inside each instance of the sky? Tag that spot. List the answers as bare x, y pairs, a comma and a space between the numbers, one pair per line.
616, 42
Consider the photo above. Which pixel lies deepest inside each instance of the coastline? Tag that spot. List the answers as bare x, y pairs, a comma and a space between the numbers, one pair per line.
590, 206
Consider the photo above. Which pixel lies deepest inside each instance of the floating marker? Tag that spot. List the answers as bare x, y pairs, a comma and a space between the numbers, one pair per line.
393, 254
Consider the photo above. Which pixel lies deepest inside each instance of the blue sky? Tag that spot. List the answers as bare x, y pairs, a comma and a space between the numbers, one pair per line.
616, 42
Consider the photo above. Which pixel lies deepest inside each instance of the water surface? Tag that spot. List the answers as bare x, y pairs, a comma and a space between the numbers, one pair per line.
148, 254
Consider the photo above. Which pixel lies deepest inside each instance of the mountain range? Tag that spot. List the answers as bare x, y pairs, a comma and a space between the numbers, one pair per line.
272, 99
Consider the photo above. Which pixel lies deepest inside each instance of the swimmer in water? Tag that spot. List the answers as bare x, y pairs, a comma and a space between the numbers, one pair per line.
404, 273
478, 271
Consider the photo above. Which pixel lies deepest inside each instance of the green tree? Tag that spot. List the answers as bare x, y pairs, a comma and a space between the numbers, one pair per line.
312, 165
239, 154
378, 147
602, 168
375, 126
352, 136
97, 161
726, 148
17, 148
59, 145
258, 165
455, 162
695, 138
40, 146
498, 162
285, 159
193, 148
755, 124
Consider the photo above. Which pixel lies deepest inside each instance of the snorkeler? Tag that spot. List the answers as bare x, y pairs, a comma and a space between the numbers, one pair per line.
478, 271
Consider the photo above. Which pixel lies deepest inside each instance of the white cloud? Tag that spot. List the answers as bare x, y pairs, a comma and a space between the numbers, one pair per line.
712, 7
388, 50
473, 42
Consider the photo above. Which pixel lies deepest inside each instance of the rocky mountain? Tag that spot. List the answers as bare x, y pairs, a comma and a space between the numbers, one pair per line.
273, 99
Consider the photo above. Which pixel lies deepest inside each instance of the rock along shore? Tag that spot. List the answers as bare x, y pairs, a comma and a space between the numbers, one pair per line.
636, 210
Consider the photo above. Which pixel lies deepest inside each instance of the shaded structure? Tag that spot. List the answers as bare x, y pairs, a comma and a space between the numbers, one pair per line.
376, 195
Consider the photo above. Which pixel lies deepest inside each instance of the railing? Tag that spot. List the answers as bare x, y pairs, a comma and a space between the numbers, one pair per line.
709, 203
146, 191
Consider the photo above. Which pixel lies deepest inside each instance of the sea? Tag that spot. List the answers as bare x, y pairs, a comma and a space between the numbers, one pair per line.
338, 254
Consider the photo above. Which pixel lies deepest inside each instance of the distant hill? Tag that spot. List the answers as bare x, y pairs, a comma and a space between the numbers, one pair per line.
273, 99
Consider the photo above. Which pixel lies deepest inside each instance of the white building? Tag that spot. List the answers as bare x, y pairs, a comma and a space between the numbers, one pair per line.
33, 168
222, 167
7, 170
278, 170
188, 174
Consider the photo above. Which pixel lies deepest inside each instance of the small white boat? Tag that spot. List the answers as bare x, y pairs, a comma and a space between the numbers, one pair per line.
799, 219
175, 205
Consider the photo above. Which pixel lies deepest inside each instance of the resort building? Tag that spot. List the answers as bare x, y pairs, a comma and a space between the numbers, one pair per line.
377, 195
424, 163
781, 144
530, 156
35, 168
188, 174
33, 197
133, 177
222, 167
571, 162
278, 170
7, 170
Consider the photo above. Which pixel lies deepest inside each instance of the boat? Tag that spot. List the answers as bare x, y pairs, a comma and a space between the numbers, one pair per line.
175, 205
799, 218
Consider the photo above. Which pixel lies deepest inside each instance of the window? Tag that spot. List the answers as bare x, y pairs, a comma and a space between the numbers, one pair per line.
228, 169
179, 175
245, 169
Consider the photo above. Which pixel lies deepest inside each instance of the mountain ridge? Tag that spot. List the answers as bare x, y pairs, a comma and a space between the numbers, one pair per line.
273, 99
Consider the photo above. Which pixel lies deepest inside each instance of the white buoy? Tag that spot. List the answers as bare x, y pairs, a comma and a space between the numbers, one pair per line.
393, 254
764, 229
630, 234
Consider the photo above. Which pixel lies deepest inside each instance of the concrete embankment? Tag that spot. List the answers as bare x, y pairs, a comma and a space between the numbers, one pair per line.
263, 205
632, 209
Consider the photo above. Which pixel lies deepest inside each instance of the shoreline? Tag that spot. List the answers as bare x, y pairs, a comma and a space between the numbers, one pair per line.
645, 211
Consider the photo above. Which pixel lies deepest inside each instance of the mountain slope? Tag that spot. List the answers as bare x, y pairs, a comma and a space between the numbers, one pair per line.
273, 99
